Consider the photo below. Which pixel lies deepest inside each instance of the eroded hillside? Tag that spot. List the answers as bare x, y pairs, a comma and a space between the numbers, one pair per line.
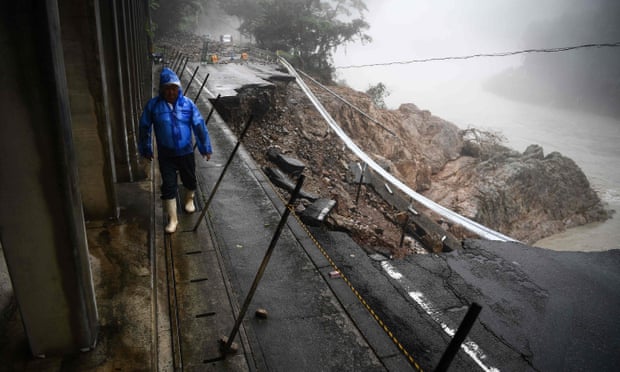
526, 195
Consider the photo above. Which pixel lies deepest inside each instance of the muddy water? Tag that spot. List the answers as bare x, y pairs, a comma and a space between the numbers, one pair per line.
592, 141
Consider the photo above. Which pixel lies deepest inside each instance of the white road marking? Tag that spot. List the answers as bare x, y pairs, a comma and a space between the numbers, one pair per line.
471, 348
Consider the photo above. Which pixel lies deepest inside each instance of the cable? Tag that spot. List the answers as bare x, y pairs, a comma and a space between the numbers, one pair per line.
499, 54
349, 104
468, 224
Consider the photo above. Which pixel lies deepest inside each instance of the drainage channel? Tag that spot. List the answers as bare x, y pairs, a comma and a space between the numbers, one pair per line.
200, 308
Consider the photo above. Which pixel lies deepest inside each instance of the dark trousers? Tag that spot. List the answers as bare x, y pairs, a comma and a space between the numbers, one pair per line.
168, 167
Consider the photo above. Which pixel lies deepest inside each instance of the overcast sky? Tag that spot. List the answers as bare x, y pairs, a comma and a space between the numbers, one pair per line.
408, 29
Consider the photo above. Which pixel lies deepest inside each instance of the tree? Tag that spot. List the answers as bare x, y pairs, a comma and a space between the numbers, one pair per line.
309, 30
378, 93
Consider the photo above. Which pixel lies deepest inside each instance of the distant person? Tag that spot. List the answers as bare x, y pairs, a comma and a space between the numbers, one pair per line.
174, 118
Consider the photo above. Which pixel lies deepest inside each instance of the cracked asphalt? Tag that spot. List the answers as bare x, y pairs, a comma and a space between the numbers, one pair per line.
541, 310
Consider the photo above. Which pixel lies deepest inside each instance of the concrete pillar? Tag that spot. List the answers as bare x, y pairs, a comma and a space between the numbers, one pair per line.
87, 84
116, 92
124, 53
42, 227
146, 48
133, 104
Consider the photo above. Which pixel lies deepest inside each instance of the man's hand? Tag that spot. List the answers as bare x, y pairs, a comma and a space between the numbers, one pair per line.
206, 156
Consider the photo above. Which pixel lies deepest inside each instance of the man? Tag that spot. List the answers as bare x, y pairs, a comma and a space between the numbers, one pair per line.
174, 118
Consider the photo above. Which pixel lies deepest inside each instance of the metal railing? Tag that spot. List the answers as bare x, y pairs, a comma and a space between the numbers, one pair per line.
446, 213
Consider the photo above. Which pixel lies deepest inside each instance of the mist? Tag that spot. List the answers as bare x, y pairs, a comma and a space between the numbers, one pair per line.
403, 30
565, 102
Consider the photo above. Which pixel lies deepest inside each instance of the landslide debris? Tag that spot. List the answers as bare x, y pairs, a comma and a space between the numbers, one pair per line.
526, 195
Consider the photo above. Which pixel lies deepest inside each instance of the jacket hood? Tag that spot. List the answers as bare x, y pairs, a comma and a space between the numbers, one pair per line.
168, 76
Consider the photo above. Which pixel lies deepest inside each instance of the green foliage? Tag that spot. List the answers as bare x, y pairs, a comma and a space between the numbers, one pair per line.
378, 93
309, 30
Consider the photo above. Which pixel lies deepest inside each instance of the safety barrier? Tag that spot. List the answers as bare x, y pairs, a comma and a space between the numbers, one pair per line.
456, 218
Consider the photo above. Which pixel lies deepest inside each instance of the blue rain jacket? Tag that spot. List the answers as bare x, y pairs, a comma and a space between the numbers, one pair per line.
173, 125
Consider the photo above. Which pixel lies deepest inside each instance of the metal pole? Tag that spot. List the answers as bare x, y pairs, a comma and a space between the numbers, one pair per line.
183, 69
212, 108
200, 90
404, 227
359, 185
173, 60
263, 265
208, 117
191, 80
179, 61
176, 60
217, 184
169, 61
459, 337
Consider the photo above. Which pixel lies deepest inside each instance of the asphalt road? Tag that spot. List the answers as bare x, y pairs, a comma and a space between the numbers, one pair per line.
541, 310
307, 327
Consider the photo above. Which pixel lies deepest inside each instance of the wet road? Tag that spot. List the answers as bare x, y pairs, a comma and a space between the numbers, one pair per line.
542, 310
309, 327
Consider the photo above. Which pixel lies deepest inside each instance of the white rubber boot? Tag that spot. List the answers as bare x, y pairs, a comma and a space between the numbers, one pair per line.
170, 207
189, 202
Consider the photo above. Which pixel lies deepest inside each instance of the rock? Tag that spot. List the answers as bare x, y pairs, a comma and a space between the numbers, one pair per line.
356, 173
261, 313
534, 152
524, 195
288, 164
280, 179
378, 257
316, 213
531, 192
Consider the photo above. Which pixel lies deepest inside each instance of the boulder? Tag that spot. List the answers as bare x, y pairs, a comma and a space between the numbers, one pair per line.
287, 164
280, 179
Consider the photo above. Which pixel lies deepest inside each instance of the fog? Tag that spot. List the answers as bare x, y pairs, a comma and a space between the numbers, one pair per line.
403, 30
459, 90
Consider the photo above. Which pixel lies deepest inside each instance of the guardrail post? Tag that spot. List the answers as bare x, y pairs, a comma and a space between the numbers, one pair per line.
173, 57
202, 86
212, 109
208, 116
404, 224
178, 56
190, 81
359, 185
183, 69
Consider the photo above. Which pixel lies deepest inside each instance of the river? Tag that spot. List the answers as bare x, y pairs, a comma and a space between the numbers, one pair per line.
592, 141
454, 92
403, 30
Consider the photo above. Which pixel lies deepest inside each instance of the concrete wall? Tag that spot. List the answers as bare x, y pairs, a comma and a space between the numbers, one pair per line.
89, 107
60, 144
